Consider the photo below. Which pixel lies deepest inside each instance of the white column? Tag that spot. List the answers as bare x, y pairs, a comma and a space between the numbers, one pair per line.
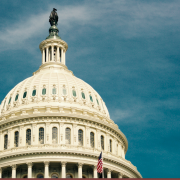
61, 55
47, 54
58, 58
123, 152
109, 173
95, 171
0, 172
9, 139
29, 169
119, 175
64, 58
52, 53
63, 165
46, 169
80, 170
43, 56
14, 171
1, 140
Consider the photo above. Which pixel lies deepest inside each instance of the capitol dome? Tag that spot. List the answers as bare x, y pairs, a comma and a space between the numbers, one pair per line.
55, 125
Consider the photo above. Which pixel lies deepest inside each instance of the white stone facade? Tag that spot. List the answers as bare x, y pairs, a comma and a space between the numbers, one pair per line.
52, 124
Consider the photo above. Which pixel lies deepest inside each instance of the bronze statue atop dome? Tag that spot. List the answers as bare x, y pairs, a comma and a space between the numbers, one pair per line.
53, 18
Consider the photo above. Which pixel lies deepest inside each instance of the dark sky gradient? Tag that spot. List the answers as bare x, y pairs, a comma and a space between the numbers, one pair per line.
129, 51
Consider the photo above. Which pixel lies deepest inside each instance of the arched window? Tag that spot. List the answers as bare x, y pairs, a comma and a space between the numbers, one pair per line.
25, 94
5, 141
25, 176
16, 139
91, 98
64, 91
92, 139
68, 136
9, 100
80, 137
54, 90
34, 92
16, 98
41, 135
74, 93
54, 135
43, 91
69, 176
28, 137
110, 145
40, 176
54, 175
4, 103
83, 95
102, 142
97, 102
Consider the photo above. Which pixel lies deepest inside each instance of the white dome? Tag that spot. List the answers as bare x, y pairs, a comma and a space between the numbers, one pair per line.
59, 78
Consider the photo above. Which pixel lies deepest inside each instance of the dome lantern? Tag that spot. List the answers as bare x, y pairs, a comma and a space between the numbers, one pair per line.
53, 49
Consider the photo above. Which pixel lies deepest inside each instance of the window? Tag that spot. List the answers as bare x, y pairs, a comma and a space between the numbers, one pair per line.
34, 92
28, 137
54, 135
110, 145
54, 90
80, 137
40, 176
25, 94
5, 141
69, 176
68, 136
43, 91
16, 139
83, 95
117, 150
9, 100
102, 142
92, 139
64, 91
54, 175
41, 135
97, 102
91, 98
16, 98
74, 93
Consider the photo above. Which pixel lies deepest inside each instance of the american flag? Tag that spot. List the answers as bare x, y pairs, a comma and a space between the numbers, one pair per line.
100, 164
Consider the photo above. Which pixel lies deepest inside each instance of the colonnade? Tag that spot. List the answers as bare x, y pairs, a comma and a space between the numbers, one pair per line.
62, 170
49, 56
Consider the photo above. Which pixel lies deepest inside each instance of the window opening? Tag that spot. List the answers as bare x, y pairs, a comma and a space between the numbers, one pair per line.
54, 90
80, 137
64, 91
74, 93
92, 139
34, 92
68, 136
5, 141
40, 176
102, 142
41, 135
43, 91
91, 98
9, 100
25, 94
110, 145
16, 98
83, 95
16, 139
54, 135
97, 102
28, 136
54, 176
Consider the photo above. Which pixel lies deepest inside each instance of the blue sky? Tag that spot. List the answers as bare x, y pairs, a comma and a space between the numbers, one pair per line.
128, 51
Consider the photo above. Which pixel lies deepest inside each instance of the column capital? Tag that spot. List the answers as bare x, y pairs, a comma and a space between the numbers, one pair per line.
13, 166
109, 170
80, 164
95, 166
63, 163
29, 164
46, 163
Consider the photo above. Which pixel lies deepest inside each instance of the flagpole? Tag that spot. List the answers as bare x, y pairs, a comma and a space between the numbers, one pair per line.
103, 168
